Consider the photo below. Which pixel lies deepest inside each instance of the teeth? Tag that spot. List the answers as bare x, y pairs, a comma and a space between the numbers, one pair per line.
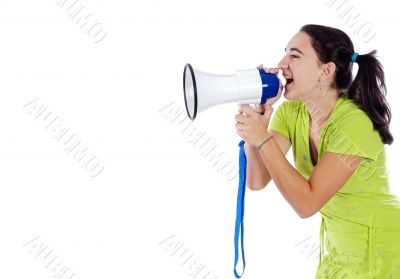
288, 77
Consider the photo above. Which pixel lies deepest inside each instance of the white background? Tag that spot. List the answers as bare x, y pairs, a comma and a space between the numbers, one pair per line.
155, 184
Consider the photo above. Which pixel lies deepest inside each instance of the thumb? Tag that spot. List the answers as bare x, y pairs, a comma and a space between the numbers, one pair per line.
260, 108
268, 110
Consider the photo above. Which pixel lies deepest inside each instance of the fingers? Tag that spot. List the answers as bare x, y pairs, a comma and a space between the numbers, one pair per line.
276, 70
239, 128
244, 112
247, 109
269, 70
240, 118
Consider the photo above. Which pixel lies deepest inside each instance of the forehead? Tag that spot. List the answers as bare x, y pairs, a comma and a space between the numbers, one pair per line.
302, 42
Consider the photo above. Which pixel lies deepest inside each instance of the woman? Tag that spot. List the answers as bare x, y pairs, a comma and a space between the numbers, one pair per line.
338, 128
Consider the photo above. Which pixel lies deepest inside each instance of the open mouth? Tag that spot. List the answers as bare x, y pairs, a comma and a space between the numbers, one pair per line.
289, 79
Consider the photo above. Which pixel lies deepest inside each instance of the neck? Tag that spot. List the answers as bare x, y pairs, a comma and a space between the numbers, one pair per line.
320, 107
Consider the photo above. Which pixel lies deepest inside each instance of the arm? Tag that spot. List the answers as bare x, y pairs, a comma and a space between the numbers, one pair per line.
257, 176
308, 197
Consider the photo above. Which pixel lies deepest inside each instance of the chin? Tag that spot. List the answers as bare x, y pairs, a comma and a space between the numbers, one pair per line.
292, 95
288, 94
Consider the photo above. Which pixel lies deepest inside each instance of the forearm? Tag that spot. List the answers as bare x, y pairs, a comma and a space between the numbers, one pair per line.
257, 175
290, 182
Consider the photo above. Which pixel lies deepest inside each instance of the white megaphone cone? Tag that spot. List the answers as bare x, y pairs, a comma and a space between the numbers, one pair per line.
203, 90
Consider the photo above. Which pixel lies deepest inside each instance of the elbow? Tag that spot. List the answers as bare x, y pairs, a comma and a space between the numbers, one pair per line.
256, 186
308, 207
306, 213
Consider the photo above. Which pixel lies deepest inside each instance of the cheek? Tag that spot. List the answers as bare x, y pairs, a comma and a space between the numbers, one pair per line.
307, 78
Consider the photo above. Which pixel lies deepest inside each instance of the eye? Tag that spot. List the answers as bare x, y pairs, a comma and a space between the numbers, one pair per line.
293, 56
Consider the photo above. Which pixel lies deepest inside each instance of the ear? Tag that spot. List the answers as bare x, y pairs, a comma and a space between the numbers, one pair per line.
328, 71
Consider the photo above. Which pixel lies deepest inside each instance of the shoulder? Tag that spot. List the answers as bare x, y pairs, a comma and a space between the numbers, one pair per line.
352, 132
350, 116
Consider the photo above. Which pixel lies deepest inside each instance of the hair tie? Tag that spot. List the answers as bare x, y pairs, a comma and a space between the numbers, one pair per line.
354, 56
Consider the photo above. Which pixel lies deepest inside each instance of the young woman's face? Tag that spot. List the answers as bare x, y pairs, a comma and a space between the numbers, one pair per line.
301, 68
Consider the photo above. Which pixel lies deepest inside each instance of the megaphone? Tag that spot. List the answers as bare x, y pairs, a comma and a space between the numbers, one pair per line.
203, 90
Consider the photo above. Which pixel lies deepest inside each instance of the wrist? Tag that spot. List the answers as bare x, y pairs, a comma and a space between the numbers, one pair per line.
250, 148
267, 138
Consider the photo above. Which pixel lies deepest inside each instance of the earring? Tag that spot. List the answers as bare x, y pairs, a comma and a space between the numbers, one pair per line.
324, 91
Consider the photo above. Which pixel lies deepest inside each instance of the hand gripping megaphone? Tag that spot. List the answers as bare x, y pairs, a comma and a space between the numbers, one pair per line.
204, 90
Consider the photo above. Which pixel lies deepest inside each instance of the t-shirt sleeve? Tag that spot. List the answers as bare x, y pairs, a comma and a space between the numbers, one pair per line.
279, 120
355, 135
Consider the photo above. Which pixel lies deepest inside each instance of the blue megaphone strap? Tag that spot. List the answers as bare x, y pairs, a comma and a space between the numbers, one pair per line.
240, 209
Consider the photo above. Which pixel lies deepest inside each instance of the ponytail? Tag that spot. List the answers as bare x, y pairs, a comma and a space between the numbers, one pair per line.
368, 90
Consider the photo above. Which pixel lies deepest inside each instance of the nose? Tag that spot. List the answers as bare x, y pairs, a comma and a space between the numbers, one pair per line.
283, 64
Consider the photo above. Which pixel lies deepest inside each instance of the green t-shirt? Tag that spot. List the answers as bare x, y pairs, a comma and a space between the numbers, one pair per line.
348, 130
363, 218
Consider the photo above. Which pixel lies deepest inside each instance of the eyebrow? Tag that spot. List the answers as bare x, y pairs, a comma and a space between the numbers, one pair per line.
294, 49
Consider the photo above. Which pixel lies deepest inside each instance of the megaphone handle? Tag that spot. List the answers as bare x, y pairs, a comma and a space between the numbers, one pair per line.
240, 208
